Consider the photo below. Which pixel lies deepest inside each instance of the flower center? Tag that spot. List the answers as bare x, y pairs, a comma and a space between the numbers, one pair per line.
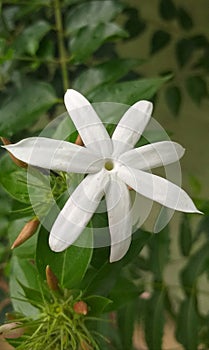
109, 165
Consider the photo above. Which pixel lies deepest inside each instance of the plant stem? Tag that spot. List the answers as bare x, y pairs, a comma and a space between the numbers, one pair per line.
61, 45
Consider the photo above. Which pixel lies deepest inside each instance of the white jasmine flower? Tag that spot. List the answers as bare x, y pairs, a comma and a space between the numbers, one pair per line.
111, 165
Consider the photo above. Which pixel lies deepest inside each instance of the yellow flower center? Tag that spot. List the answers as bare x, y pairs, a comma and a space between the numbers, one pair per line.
109, 165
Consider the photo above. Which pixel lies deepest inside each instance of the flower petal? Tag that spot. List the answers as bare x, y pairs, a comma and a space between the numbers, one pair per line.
158, 189
131, 126
55, 155
88, 124
119, 217
153, 155
77, 212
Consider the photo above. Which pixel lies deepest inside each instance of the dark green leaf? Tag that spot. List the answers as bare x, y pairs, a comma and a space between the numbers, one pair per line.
88, 39
173, 99
154, 320
97, 304
14, 179
184, 51
167, 9
197, 265
92, 13
123, 292
196, 88
184, 19
185, 236
159, 40
128, 92
34, 296
25, 271
135, 25
25, 106
126, 323
69, 266
139, 240
103, 280
104, 73
187, 324
159, 253
29, 39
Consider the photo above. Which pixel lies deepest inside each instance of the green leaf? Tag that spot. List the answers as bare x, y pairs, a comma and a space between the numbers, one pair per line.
159, 253
173, 99
159, 40
24, 106
122, 293
14, 179
102, 280
70, 265
25, 271
185, 236
126, 323
103, 73
92, 12
30, 38
197, 265
184, 51
128, 92
184, 19
88, 39
97, 304
187, 324
197, 88
154, 320
167, 9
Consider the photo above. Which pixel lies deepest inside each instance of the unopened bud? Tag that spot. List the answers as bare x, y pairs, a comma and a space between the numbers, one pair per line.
51, 279
79, 141
12, 330
145, 295
28, 230
18, 162
80, 307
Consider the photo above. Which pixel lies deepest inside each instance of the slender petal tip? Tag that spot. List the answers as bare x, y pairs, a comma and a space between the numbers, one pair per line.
56, 244
144, 106
73, 99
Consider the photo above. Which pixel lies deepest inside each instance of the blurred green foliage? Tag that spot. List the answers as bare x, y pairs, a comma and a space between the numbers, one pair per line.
46, 47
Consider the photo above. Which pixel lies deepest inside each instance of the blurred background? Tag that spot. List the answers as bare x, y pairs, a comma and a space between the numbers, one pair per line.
40, 57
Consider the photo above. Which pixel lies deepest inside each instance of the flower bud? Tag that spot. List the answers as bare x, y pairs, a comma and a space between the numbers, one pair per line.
79, 141
11, 330
18, 162
27, 231
51, 279
80, 307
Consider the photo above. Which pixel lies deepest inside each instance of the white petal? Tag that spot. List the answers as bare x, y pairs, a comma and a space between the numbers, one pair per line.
131, 126
153, 155
55, 155
88, 124
119, 217
77, 211
158, 189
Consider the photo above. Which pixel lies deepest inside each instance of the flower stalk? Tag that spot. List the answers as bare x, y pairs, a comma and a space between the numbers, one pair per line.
61, 46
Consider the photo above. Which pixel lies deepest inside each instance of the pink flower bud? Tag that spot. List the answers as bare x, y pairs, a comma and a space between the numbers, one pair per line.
11, 330
80, 307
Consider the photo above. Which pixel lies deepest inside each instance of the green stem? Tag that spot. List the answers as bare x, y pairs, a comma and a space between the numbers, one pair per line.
61, 46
